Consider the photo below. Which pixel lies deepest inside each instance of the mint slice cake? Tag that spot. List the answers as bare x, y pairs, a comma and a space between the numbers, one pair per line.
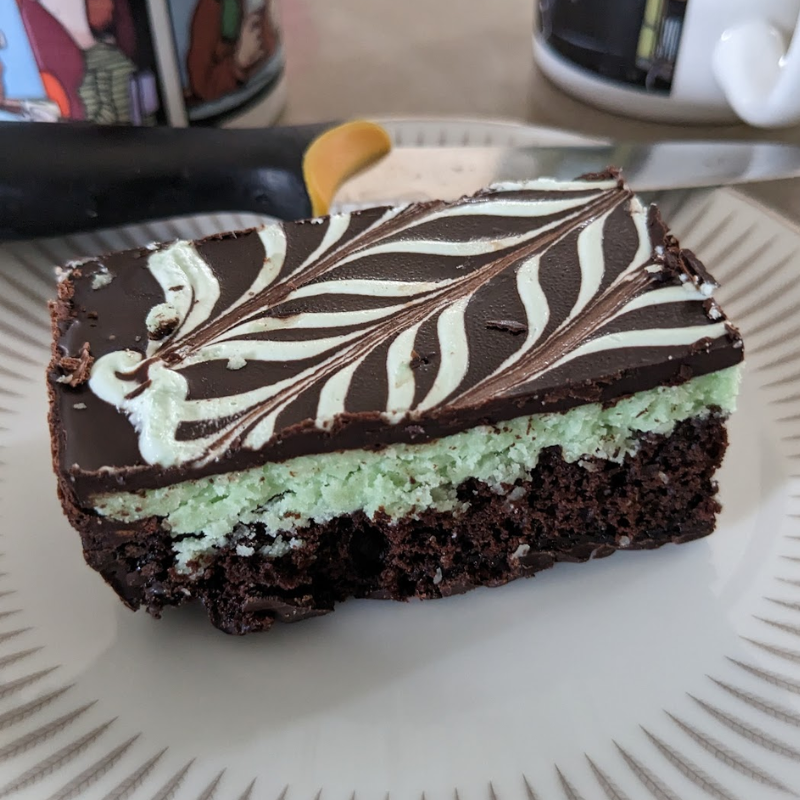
394, 403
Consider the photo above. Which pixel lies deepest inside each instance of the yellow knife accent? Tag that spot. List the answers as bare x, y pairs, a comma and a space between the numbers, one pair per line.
337, 155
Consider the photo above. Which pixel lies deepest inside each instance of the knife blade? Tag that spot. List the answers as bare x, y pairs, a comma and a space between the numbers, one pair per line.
419, 173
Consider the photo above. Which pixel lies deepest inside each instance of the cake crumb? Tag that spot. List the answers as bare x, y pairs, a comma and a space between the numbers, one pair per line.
521, 551
236, 362
517, 493
437, 578
624, 541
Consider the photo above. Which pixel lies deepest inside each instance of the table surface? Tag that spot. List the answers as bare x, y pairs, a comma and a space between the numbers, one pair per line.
465, 58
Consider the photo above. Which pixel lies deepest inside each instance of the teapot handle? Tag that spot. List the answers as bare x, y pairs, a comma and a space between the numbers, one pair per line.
759, 72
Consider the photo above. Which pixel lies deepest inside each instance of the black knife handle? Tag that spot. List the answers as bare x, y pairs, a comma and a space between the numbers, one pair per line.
61, 179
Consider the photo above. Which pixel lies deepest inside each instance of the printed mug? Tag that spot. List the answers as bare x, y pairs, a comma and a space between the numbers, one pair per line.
139, 62
676, 60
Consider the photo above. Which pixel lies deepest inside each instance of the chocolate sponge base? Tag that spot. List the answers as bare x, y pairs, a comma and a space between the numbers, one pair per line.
564, 512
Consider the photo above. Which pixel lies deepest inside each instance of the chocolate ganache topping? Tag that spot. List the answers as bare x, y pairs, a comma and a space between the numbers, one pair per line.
385, 325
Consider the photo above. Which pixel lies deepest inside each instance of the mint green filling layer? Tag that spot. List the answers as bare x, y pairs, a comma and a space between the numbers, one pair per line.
406, 479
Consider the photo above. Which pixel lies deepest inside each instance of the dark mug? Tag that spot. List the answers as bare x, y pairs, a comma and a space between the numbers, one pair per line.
139, 62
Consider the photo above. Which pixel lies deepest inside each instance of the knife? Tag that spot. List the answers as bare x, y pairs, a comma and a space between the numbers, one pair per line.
419, 173
64, 179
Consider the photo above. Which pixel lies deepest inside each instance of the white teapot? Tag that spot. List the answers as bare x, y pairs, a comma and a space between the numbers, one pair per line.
676, 60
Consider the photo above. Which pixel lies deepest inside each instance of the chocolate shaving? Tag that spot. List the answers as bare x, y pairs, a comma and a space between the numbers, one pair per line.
702, 345
684, 266
734, 336
507, 325
76, 369
608, 174
66, 291
697, 270
60, 310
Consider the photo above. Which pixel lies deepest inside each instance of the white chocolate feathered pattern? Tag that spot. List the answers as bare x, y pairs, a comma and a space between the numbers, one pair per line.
401, 313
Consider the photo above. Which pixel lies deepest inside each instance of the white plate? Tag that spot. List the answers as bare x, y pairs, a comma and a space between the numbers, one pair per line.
666, 674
